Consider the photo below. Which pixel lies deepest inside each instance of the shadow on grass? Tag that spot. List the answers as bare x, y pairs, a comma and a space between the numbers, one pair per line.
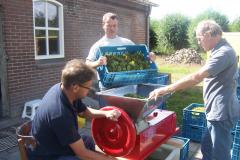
181, 99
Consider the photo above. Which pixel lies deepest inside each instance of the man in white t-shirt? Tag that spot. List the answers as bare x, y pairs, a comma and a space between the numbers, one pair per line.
110, 27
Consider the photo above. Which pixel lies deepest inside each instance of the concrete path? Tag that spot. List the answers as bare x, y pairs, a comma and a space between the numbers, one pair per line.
13, 153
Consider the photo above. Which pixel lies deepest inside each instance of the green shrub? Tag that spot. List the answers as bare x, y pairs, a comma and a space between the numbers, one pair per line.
154, 36
171, 33
153, 39
235, 25
221, 19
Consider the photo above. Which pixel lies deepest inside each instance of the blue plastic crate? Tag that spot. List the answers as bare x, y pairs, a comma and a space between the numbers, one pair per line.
239, 77
191, 117
160, 78
112, 79
237, 137
185, 148
236, 152
233, 131
192, 132
238, 125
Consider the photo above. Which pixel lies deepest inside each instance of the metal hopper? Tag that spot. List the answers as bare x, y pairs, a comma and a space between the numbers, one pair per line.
136, 108
142, 126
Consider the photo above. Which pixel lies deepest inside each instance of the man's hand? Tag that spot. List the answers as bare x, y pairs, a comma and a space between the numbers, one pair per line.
152, 56
102, 61
157, 93
113, 114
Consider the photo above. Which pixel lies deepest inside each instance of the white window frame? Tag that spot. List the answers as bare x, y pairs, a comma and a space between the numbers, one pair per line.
46, 28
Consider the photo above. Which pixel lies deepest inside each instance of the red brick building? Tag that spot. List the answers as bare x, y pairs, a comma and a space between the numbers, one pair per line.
37, 37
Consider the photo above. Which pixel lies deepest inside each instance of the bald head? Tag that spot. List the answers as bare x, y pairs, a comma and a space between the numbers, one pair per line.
209, 26
208, 34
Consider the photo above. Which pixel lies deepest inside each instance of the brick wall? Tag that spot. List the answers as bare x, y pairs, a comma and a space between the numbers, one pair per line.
85, 20
25, 80
29, 79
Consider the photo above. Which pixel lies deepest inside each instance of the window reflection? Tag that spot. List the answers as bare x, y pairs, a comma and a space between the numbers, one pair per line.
52, 15
53, 42
39, 14
40, 42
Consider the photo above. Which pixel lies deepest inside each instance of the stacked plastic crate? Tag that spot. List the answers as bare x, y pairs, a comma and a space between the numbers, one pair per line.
238, 96
194, 122
112, 79
118, 78
238, 88
160, 78
236, 143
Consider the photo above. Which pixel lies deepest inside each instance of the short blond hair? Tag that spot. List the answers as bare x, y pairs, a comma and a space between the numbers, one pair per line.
109, 15
76, 72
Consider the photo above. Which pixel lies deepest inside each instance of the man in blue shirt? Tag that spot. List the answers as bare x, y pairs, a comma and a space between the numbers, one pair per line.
55, 125
219, 90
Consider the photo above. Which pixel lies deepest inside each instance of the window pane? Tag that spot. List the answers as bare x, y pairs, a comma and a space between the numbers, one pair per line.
52, 15
39, 14
40, 42
53, 42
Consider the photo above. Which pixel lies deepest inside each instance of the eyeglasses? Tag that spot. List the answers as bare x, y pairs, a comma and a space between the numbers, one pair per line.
201, 36
88, 88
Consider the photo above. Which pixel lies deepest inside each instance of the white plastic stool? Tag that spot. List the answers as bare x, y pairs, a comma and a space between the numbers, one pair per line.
30, 108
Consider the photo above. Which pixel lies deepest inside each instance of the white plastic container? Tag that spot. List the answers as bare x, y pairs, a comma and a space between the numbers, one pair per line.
165, 152
178, 143
182, 144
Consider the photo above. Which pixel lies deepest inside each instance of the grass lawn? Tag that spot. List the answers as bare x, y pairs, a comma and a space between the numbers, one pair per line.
181, 99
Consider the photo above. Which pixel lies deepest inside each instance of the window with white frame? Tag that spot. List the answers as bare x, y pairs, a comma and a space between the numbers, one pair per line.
48, 29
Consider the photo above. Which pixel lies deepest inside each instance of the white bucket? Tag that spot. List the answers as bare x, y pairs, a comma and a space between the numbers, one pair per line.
165, 152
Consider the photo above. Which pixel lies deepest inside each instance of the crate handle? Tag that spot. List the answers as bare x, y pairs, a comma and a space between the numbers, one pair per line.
194, 127
121, 48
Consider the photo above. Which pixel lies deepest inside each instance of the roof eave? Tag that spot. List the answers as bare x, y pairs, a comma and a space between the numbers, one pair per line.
145, 2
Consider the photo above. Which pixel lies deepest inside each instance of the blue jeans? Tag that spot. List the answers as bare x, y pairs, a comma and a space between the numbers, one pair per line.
217, 140
68, 158
89, 144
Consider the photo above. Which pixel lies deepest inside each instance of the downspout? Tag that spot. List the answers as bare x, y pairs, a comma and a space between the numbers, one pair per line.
148, 24
3, 71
